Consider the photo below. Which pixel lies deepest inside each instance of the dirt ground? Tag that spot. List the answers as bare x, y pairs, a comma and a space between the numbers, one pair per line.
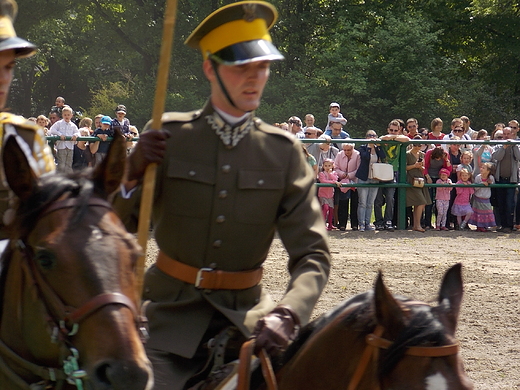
413, 265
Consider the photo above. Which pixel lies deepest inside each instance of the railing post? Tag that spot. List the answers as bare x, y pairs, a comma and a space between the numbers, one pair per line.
401, 191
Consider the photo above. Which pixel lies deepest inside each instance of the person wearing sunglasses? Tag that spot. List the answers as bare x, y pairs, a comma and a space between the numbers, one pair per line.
457, 130
387, 195
295, 127
513, 125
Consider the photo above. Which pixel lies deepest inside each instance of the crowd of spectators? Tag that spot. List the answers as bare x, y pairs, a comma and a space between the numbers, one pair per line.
71, 154
441, 207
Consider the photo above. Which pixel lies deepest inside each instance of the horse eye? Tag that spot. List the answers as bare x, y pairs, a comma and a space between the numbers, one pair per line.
45, 259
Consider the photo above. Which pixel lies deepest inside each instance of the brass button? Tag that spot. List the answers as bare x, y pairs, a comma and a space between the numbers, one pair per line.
191, 173
226, 168
260, 182
220, 219
213, 265
222, 194
217, 243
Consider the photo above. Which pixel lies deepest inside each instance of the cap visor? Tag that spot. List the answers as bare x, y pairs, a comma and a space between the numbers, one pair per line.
250, 51
21, 47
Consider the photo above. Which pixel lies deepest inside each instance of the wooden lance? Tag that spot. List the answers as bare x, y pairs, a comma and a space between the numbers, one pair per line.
145, 211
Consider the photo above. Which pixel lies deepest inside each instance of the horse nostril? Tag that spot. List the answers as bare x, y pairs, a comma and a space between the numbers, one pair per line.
122, 375
101, 373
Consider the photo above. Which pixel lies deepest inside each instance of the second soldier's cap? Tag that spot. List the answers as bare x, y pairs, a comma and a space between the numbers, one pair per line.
237, 33
8, 38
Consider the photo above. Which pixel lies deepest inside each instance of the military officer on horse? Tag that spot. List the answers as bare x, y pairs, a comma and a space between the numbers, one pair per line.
217, 208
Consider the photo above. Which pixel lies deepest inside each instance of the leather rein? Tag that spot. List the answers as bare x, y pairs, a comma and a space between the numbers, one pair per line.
62, 319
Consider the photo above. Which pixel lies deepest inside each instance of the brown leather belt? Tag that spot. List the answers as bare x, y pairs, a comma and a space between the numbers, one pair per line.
208, 278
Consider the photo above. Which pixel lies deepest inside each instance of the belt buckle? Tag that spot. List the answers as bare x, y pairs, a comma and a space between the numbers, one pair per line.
199, 277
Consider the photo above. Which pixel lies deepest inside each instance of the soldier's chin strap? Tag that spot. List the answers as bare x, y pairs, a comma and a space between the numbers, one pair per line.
214, 65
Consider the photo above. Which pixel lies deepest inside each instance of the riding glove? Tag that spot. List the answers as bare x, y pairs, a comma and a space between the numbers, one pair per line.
274, 331
150, 149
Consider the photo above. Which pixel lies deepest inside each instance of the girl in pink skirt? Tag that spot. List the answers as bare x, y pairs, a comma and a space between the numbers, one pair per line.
461, 206
483, 216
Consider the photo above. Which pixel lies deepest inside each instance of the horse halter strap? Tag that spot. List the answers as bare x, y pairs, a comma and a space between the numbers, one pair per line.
375, 342
66, 314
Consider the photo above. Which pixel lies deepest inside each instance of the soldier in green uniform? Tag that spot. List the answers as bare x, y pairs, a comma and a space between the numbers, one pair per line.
217, 208
30, 136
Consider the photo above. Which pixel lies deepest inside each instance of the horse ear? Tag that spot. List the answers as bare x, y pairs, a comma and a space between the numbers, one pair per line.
450, 295
388, 311
18, 172
107, 175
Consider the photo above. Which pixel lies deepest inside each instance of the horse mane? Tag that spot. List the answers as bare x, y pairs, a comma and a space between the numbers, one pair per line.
422, 328
50, 188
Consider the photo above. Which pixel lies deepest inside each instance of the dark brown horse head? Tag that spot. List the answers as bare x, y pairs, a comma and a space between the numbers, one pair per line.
68, 279
377, 341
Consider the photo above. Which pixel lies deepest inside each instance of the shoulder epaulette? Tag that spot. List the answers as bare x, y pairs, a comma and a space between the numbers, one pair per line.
17, 120
266, 128
181, 116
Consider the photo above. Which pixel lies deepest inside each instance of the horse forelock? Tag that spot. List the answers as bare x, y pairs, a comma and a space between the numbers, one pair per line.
422, 327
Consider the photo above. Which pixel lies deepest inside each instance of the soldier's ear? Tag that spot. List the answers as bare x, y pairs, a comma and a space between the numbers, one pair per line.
209, 72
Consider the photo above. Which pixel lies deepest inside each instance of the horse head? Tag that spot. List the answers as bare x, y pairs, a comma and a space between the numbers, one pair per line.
380, 341
69, 305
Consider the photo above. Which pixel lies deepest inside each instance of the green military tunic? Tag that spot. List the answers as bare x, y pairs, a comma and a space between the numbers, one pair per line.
218, 206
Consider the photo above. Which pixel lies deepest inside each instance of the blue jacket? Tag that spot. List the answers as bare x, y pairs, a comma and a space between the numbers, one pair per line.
364, 166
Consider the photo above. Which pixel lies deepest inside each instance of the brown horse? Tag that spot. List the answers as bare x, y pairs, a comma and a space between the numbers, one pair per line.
68, 303
381, 342
374, 341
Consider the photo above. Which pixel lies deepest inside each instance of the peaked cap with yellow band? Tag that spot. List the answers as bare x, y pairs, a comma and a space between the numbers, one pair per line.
8, 38
237, 33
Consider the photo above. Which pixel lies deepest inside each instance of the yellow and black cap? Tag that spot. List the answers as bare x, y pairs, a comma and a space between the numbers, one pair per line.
237, 33
8, 38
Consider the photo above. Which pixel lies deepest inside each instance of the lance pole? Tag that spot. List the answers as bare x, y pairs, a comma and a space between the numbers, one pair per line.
148, 185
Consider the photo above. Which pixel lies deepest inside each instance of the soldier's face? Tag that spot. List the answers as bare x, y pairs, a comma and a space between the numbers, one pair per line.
7, 64
244, 83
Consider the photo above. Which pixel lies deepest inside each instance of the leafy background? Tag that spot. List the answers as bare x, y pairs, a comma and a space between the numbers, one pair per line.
379, 59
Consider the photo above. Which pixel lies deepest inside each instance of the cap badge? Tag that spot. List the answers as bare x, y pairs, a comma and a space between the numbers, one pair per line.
249, 12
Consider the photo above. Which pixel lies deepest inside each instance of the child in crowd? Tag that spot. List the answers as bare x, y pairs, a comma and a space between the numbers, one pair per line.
82, 158
442, 199
326, 194
465, 163
334, 114
483, 216
65, 149
100, 148
461, 206
42, 121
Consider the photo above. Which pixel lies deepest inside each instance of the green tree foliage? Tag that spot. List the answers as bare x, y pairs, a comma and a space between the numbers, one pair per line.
379, 59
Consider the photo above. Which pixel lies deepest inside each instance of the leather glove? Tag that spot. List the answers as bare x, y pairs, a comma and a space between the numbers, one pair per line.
274, 331
149, 150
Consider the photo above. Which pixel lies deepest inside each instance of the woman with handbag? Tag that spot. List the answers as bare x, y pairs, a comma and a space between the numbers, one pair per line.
417, 196
369, 154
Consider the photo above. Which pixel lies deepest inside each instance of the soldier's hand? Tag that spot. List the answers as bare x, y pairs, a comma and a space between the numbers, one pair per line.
149, 150
275, 330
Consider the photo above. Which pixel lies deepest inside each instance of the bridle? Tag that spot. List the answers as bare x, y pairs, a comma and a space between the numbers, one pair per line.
375, 342
63, 320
